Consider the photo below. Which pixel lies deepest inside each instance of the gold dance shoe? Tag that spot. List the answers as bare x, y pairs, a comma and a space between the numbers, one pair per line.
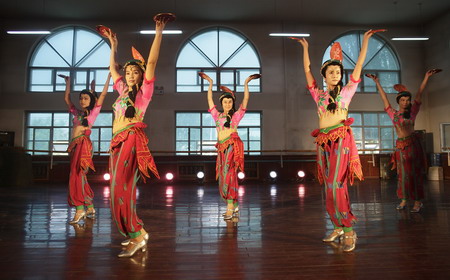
90, 213
78, 217
136, 247
333, 235
126, 242
351, 247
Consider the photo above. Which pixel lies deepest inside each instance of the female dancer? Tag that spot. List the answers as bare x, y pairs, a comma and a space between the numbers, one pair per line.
80, 148
337, 156
230, 149
409, 156
130, 156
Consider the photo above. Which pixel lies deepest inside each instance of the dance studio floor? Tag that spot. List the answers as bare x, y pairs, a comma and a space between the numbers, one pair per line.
278, 235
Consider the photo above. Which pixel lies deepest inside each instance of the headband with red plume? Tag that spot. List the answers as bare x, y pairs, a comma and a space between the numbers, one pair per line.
226, 93
137, 60
335, 55
402, 91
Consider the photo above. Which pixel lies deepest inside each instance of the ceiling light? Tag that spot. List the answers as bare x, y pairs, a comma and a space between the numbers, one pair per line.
16, 32
164, 32
289, 34
410, 39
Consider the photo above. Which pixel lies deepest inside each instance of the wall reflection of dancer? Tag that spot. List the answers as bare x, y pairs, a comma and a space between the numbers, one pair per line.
230, 149
337, 156
409, 156
80, 148
130, 156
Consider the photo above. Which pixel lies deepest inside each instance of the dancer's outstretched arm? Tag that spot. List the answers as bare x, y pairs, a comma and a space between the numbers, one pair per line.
428, 74
154, 50
113, 66
383, 94
102, 96
362, 55
306, 61
209, 96
67, 92
246, 91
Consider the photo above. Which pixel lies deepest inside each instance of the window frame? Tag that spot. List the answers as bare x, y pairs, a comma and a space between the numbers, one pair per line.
51, 136
72, 69
219, 69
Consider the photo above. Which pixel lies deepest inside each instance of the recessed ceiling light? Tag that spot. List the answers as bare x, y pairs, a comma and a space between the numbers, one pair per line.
164, 32
289, 34
28, 32
410, 39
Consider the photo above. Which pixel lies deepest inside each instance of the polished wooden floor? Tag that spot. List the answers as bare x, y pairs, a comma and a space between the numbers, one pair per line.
278, 235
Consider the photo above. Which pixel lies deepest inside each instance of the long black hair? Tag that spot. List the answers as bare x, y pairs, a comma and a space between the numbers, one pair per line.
130, 112
231, 112
337, 89
87, 111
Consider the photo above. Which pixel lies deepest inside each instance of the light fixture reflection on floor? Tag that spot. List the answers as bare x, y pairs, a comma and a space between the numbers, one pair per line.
169, 177
301, 175
106, 176
241, 175
201, 177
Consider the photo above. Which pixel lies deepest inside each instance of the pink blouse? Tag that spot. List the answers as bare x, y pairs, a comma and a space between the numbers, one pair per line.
397, 117
143, 98
343, 99
78, 115
221, 118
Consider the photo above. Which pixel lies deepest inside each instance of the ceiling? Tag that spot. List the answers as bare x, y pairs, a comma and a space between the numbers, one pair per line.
342, 12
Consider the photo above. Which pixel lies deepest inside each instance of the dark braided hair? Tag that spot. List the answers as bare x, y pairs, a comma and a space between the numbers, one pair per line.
87, 111
230, 113
337, 89
131, 111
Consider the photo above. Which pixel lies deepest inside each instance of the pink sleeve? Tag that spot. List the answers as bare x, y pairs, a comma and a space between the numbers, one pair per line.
73, 110
238, 115
390, 111
415, 109
349, 89
119, 86
214, 113
148, 88
94, 114
314, 90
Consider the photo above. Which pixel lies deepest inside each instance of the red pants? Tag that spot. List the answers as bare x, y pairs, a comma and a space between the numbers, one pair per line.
80, 193
129, 156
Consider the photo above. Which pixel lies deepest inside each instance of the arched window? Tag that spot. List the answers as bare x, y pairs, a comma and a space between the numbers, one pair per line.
223, 54
381, 60
74, 51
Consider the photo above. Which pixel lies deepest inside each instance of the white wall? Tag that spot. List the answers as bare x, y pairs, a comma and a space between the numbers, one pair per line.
289, 113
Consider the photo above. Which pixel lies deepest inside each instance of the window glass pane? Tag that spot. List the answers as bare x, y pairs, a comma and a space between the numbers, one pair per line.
255, 133
246, 57
191, 57
30, 135
386, 144
243, 133
242, 75
255, 145
62, 41
188, 119
100, 77
357, 133
41, 77
251, 119
207, 120
370, 119
371, 133
209, 134
95, 145
61, 134
99, 56
229, 43
384, 60
61, 119
60, 146
357, 118
188, 80
227, 79
40, 119
387, 133
182, 134
194, 145
80, 81
94, 134
388, 80
104, 119
182, 146
385, 120
85, 42
44, 147
375, 44
30, 145
195, 134
208, 43
45, 56
104, 146
106, 133
42, 134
